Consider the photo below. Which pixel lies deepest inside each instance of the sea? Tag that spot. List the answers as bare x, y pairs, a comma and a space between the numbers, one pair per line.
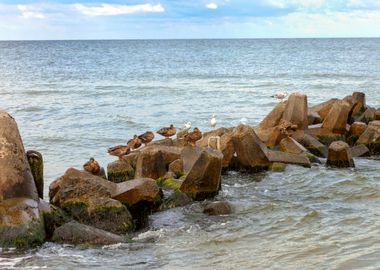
74, 99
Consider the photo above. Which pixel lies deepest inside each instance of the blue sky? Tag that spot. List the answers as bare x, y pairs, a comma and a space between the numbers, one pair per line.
139, 19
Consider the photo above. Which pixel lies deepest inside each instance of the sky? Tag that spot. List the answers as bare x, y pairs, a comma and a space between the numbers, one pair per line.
172, 19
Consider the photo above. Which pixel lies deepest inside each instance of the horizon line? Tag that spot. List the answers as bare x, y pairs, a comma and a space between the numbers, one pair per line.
174, 39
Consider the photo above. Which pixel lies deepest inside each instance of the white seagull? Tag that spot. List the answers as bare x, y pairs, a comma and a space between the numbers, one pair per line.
244, 120
186, 126
280, 95
213, 121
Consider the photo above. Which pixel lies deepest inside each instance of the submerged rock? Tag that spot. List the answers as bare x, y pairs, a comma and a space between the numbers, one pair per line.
36, 164
359, 151
16, 179
77, 233
203, 167
21, 225
217, 208
339, 155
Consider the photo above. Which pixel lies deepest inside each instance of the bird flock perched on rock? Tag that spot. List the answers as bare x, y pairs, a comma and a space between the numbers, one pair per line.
189, 138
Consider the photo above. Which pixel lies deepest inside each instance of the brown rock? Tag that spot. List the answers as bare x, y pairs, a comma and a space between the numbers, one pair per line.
377, 114
324, 108
311, 143
163, 142
120, 171
153, 160
336, 120
368, 116
274, 117
339, 155
286, 158
313, 118
203, 178
76, 233
20, 223
296, 110
16, 179
135, 191
217, 208
358, 102
250, 151
131, 158
176, 167
291, 146
357, 129
325, 135
371, 137
75, 184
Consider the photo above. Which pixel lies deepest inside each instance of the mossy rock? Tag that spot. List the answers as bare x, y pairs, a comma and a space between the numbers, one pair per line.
23, 236
169, 183
53, 219
103, 213
277, 167
175, 199
36, 165
313, 158
327, 140
120, 171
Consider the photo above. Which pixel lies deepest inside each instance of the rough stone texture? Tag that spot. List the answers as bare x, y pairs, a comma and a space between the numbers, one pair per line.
282, 157
311, 143
357, 129
277, 167
371, 137
131, 158
203, 178
339, 155
20, 223
102, 213
359, 151
273, 118
358, 102
120, 171
291, 146
153, 160
337, 118
76, 233
54, 217
75, 184
163, 142
135, 191
217, 208
36, 164
296, 110
176, 167
324, 108
16, 179
250, 151
325, 135
368, 115
142, 196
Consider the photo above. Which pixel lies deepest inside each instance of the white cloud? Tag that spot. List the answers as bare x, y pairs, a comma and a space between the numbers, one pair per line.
31, 12
110, 9
298, 3
212, 6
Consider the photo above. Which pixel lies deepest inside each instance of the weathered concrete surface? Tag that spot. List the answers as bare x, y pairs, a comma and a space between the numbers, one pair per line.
337, 118
339, 155
296, 110
359, 151
16, 179
120, 171
324, 108
203, 167
371, 137
282, 157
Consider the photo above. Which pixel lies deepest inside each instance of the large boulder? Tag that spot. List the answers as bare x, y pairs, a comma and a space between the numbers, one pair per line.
36, 164
358, 102
20, 223
250, 150
339, 155
356, 130
359, 150
337, 118
287, 158
291, 146
203, 167
102, 213
314, 118
16, 179
76, 233
371, 137
176, 167
141, 196
75, 184
273, 118
154, 160
120, 171
217, 208
325, 135
296, 110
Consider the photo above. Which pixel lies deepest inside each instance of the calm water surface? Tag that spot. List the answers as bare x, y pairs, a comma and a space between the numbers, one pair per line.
74, 99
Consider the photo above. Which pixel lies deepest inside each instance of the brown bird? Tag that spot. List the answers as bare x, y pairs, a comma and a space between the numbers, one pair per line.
167, 131
134, 143
92, 166
146, 137
119, 151
193, 136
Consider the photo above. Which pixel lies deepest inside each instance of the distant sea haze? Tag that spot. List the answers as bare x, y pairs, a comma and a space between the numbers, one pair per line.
74, 99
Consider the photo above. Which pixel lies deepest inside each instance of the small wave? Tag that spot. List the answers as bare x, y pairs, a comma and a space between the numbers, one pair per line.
30, 109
